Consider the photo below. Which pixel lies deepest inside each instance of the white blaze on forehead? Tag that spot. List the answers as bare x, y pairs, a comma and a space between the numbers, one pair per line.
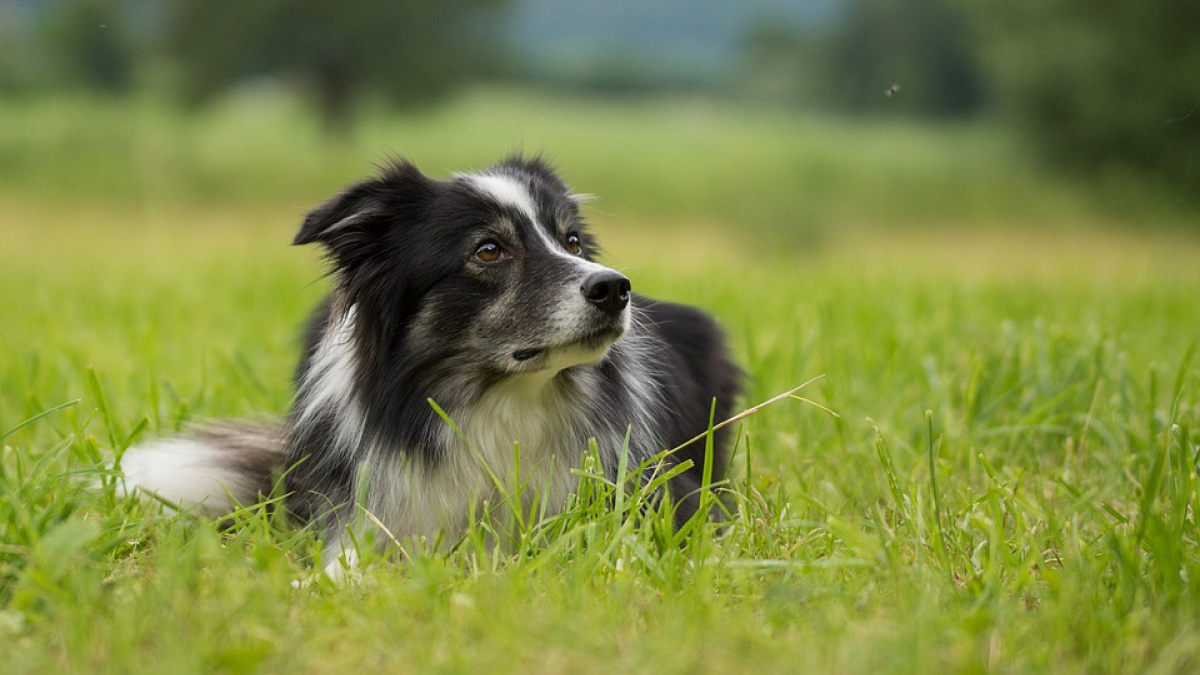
507, 191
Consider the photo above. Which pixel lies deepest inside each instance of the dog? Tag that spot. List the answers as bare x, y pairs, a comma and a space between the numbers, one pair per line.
475, 299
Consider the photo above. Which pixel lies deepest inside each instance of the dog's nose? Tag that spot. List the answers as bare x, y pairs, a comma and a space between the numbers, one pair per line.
607, 290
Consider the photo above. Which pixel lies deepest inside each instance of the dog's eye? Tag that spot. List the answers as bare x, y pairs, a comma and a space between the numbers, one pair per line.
489, 252
574, 246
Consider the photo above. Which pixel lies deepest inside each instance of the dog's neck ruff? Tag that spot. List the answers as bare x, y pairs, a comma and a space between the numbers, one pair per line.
522, 434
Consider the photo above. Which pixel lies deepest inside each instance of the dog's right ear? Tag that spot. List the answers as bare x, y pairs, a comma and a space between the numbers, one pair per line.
346, 215
362, 212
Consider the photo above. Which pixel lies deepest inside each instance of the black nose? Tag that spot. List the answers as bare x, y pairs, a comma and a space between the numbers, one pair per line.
607, 290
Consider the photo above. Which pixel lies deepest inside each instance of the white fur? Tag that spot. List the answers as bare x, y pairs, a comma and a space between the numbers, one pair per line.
505, 190
521, 420
328, 383
525, 418
562, 358
352, 219
339, 559
509, 191
186, 473
647, 362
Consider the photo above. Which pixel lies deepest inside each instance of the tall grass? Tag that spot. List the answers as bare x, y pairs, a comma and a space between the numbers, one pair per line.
1009, 485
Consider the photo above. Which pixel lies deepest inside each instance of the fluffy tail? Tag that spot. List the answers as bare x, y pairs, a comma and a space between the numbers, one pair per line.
209, 470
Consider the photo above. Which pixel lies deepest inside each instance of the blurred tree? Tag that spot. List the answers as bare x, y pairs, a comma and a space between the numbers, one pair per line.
91, 44
21, 58
780, 60
410, 51
1102, 84
923, 46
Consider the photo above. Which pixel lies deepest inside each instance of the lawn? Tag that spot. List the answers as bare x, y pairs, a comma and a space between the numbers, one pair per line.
1009, 484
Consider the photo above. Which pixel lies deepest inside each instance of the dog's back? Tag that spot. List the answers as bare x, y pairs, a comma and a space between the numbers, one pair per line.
701, 382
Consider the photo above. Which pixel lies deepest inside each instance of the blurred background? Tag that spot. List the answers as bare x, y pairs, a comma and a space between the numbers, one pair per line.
791, 120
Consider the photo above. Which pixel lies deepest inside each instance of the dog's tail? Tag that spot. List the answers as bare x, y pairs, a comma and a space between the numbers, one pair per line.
210, 470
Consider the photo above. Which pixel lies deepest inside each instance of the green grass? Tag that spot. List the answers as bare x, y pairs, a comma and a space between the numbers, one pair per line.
1010, 485
768, 172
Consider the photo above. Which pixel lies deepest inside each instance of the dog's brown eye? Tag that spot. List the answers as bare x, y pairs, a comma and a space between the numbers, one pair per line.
489, 252
573, 244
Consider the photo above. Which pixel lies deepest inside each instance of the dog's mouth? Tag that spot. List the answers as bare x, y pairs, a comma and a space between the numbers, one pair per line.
596, 343
527, 354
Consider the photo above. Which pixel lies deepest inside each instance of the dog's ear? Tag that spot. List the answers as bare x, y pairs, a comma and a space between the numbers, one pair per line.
362, 212
350, 210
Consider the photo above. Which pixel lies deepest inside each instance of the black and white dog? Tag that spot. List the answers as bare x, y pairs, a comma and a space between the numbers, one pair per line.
480, 293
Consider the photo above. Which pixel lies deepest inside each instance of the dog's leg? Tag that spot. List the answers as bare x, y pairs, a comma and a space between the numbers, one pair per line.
340, 558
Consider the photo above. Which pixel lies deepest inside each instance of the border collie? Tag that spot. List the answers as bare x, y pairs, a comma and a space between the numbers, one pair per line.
481, 294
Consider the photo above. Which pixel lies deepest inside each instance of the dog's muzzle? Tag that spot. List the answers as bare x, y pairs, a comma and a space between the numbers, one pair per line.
593, 332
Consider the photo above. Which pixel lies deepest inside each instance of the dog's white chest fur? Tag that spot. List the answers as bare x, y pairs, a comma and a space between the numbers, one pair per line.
515, 447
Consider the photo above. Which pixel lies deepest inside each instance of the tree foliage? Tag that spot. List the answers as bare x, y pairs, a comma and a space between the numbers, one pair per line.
780, 60
923, 48
1107, 84
1099, 85
90, 44
409, 51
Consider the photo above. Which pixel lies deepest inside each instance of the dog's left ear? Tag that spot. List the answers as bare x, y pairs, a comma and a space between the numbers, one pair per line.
363, 211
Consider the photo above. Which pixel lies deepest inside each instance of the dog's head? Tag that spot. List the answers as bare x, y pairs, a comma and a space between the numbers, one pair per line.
495, 268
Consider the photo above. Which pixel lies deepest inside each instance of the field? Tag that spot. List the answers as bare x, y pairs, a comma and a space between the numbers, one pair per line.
1007, 484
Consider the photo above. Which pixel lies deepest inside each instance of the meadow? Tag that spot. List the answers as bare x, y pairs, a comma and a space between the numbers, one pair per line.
994, 469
